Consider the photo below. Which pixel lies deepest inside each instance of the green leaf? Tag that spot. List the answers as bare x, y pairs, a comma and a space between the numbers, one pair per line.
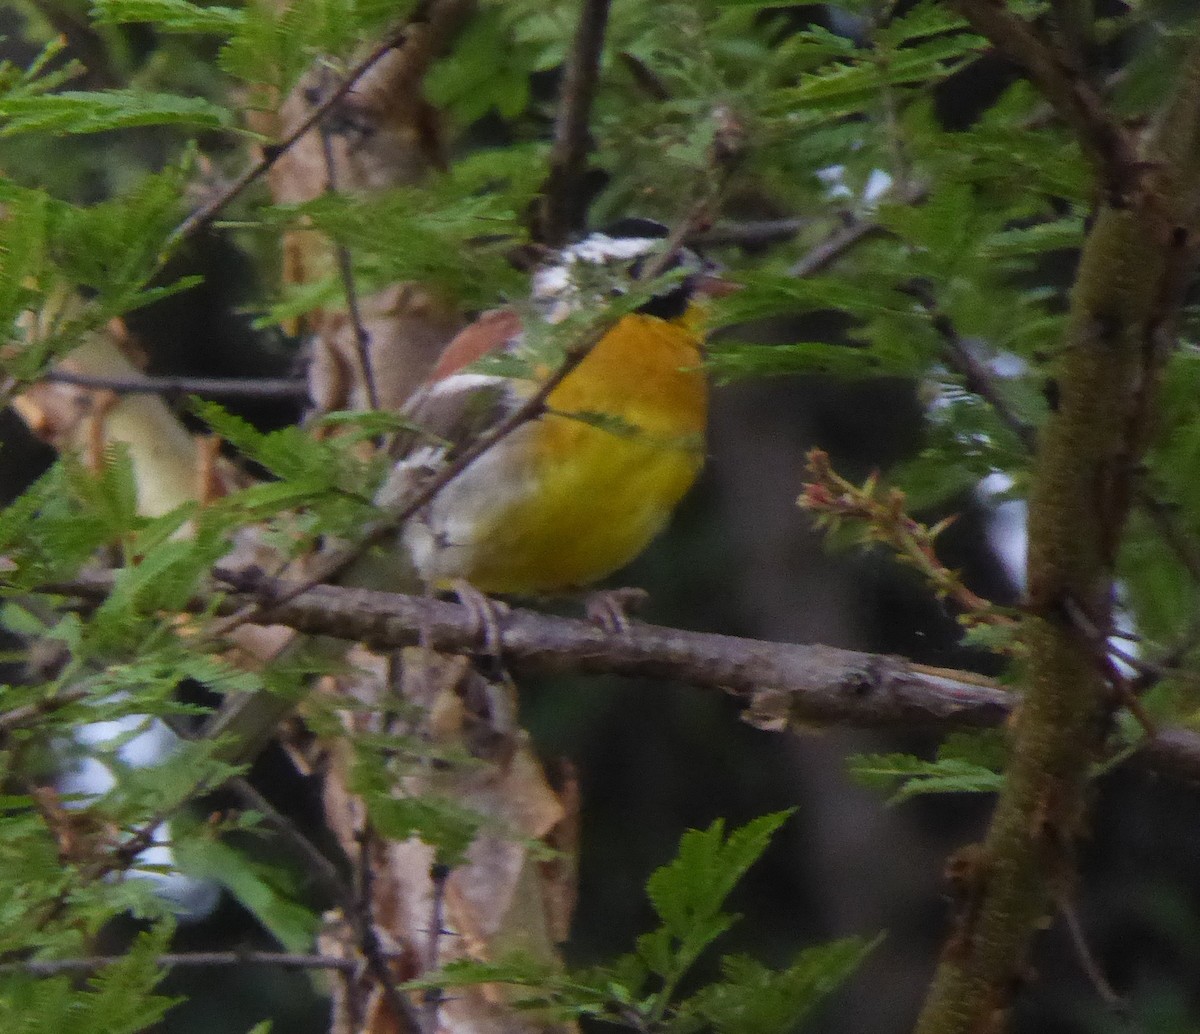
729, 361
694, 886
919, 22
170, 16
103, 110
753, 999
757, 5
454, 237
263, 891
118, 999
689, 892
915, 776
443, 824
842, 89
325, 475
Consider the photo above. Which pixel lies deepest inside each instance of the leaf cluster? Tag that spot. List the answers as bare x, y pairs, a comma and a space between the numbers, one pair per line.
642, 990
924, 237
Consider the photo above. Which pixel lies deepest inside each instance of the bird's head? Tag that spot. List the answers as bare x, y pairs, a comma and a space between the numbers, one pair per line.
605, 263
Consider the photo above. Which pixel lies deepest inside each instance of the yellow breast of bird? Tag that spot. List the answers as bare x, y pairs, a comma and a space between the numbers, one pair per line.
578, 493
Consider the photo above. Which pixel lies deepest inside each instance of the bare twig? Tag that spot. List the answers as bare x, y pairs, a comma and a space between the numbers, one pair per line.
749, 233
1091, 968
362, 337
1074, 20
831, 248
978, 377
1161, 516
439, 873
320, 867
285, 960
30, 714
407, 1020
219, 387
207, 212
564, 199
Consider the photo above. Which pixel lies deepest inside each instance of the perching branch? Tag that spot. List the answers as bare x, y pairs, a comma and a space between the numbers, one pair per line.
786, 686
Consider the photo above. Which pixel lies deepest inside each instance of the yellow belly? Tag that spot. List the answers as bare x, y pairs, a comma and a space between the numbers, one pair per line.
568, 499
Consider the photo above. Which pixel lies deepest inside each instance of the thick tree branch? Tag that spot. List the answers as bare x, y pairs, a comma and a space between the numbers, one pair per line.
786, 686
1124, 307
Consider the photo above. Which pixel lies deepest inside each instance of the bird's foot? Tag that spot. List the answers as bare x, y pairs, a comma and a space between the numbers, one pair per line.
486, 615
609, 608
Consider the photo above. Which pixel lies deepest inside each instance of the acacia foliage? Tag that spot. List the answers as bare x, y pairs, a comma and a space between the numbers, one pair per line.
970, 224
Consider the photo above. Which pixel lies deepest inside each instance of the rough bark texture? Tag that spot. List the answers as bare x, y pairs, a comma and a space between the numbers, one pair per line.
1123, 308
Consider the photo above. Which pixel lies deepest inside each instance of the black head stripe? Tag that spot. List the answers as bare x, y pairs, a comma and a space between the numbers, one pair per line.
670, 305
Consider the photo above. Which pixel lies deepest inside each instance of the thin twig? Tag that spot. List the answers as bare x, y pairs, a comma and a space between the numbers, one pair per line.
749, 234
1107, 143
439, 873
285, 960
319, 866
1162, 517
407, 1020
564, 201
1091, 968
1074, 20
853, 230
31, 714
831, 248
362, 337
220, 387
206, 213
977, 377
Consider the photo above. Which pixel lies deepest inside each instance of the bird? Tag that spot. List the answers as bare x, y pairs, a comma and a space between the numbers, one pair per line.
569, 496
580, 489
